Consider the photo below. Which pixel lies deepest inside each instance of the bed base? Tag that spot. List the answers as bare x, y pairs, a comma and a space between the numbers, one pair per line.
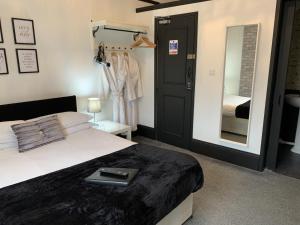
180, 214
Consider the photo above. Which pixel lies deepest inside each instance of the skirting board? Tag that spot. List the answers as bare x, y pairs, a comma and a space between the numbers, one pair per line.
230, 155
226, 154
145, 131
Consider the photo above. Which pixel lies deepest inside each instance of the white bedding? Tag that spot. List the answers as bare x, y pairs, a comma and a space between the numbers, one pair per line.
230, 103
80, 147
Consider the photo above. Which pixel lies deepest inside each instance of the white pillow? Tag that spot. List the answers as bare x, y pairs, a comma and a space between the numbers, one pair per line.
78, 128
69, 119
6, 133
13, 144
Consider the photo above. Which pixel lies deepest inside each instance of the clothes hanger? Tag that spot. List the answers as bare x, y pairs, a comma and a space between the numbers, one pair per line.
143, 40
140, 40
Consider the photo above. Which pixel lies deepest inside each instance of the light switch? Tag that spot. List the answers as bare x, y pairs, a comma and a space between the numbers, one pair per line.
212, 72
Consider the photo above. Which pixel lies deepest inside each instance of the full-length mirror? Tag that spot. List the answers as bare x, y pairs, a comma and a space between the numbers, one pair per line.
241, 46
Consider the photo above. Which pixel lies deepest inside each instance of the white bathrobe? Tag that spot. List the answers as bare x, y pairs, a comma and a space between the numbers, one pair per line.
104, 84
117, 76
133, 90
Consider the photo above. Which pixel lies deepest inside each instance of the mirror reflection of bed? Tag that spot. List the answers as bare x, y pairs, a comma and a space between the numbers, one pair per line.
239, 74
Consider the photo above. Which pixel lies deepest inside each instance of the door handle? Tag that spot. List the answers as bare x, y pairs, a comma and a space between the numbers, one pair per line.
279, 100
189, 79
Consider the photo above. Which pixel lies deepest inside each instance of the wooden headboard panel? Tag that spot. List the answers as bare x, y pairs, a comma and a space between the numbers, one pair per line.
33, 109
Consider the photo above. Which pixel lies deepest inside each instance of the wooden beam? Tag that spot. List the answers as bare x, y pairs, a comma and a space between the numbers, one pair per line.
168, 5
150, 2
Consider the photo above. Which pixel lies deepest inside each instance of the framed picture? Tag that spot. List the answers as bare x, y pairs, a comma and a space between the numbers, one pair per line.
27, 60
3, 62
1, 34
23, 31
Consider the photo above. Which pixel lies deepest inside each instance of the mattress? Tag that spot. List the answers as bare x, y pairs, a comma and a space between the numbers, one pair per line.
80, 147
231, 102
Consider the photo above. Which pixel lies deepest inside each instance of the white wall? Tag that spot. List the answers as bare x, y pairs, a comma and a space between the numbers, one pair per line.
117, 10
233, 60
214, 17
63, 44
65, 55
62, 34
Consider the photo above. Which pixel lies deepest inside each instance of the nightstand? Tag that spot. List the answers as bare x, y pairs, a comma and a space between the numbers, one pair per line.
114, 128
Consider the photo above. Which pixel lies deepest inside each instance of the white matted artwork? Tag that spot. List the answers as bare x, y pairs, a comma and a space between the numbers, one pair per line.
23, 31
3, 62
27, 60
1, 34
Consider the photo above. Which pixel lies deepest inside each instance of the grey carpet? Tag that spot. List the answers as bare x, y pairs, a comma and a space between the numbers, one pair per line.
234, 195
289, 162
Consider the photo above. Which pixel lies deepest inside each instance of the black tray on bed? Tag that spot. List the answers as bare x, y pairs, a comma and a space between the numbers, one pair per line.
96, 177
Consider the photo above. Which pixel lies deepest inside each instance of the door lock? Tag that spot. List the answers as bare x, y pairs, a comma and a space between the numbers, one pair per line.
191, 56
189, 85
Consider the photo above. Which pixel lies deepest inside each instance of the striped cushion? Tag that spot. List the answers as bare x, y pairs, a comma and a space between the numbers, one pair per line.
34, 134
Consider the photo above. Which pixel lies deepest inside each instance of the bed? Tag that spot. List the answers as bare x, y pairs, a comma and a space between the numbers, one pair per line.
46, 185
236, 110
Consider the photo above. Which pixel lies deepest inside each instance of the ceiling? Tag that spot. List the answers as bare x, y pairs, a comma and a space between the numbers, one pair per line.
145, 3
164, 1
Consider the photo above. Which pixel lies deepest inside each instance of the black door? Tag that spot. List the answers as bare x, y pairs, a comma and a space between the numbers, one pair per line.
280, 83
175, 78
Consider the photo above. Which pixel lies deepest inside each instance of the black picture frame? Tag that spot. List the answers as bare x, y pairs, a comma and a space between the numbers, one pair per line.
18, 60
1, 34
6, 64
13, 20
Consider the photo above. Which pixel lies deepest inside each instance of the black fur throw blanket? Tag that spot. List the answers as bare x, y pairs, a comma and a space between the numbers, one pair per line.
165, 179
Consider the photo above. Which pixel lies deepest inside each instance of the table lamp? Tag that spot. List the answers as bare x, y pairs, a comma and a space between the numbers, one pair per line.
94, 106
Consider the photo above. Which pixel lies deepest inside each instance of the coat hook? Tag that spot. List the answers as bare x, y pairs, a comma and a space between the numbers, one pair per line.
95, 31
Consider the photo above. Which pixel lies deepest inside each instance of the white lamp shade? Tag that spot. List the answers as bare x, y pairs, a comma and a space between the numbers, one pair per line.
94, 105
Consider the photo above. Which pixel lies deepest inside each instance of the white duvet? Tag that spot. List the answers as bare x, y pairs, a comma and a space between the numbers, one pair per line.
80, 147
230, 103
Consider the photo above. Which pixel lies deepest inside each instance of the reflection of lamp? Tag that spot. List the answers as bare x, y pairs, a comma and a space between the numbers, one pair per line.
94, 106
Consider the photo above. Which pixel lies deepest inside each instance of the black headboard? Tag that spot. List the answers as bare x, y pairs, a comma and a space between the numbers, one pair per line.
33, 109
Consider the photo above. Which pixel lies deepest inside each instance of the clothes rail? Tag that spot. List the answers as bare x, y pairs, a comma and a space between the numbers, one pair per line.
113, 26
